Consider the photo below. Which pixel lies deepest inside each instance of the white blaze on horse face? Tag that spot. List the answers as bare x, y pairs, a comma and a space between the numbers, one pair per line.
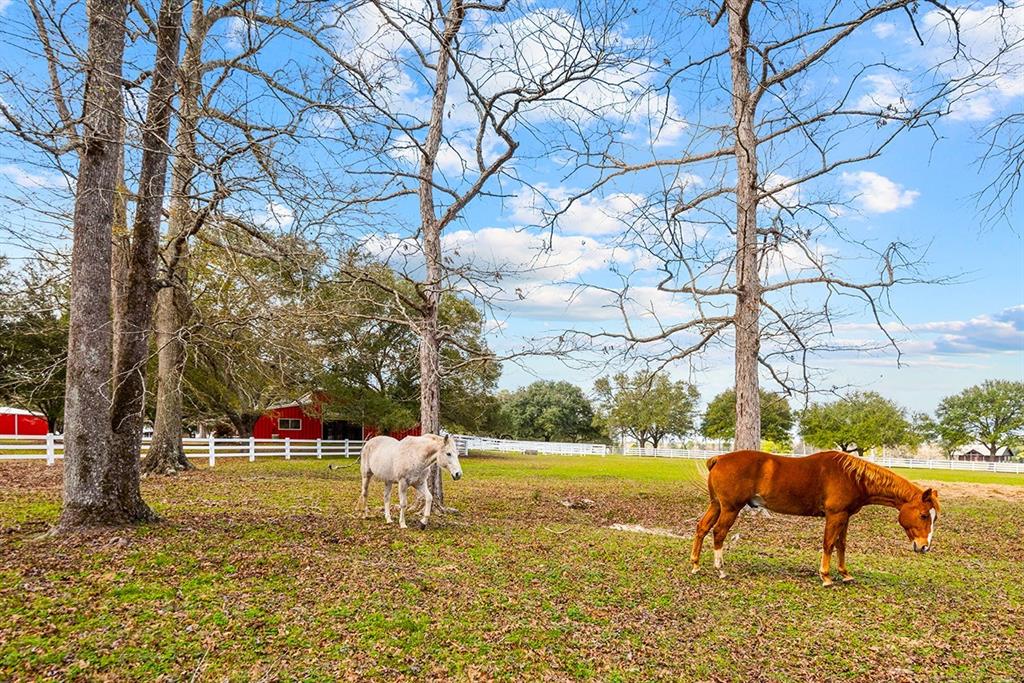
931, 527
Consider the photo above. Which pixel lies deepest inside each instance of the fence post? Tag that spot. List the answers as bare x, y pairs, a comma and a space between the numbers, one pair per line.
287, 448
346, 448
211, 448
50, 455
252, 449
319, 449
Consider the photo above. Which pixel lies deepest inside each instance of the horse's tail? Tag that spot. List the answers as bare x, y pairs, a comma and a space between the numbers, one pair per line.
710, 462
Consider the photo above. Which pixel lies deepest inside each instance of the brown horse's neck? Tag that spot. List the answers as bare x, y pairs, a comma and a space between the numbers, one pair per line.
893, 493
882, 486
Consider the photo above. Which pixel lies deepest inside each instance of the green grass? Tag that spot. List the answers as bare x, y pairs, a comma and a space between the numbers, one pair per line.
264, 571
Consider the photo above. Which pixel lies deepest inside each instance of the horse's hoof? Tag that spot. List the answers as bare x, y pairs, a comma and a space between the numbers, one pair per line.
826, 583
847, 579
722, 574
423, 526
403, 526
694, 569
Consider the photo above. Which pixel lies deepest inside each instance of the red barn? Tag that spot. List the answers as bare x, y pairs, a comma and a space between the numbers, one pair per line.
18, 422
303, 419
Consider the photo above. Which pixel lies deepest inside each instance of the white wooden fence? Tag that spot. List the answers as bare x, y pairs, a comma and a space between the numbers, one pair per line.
483, 443
51, 448
885, 461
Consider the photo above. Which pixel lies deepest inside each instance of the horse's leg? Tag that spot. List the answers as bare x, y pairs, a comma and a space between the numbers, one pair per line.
703, 527
366, 490
726, 519
428, 500
841, 552
387, 501
403, 501
834, 522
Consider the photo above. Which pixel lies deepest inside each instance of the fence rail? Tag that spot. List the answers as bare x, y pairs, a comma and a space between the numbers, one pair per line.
885, 461
51, 448
481, 443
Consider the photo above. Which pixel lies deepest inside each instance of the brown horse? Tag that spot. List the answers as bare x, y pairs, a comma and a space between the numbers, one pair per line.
831, 484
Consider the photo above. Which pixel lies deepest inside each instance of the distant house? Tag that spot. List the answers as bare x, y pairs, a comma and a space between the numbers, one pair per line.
18, 422
304, 419
980, 453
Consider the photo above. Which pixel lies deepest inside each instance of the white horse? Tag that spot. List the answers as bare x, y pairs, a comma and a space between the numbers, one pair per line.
406, 462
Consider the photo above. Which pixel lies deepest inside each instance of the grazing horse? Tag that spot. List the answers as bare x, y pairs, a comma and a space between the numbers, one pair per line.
407, 462
831, 484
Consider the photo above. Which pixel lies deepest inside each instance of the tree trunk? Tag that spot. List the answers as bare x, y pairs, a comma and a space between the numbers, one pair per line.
167, 453
748, 284
97, 490
430, 369
134, 309
243, 423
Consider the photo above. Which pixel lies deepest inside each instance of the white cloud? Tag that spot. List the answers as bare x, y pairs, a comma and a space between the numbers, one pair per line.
792, 259
875, 193
4, 4
780, 196
275, 216
883, 29
590, 215
972, 48
29, 180
888, 92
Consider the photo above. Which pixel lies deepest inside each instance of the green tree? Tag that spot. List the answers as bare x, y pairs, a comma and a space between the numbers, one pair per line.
720, 417
857, 423
33, 341
550, 411
991, 413
646, 407
370, 353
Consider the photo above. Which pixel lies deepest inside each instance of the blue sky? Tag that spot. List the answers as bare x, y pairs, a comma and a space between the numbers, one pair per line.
920, 190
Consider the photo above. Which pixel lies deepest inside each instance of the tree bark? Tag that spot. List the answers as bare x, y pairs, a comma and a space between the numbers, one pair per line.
430, 369
167, 453
746, 321
96, 489
135, 309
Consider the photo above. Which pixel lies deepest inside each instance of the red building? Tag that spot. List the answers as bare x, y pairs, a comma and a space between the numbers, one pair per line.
304, 419
18, 422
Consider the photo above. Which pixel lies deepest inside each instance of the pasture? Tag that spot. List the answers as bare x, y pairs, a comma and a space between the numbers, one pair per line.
264, 571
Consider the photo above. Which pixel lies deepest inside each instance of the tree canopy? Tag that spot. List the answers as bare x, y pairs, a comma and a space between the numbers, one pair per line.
991, 413
720, 417
549, 411
859, 422
33, 341
646, 407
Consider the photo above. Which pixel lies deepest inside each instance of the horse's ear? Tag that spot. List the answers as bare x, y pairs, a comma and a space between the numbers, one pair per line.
927, 495
448, 439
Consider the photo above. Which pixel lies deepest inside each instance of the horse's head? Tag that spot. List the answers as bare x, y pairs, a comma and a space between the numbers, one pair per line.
917, 517
448, 458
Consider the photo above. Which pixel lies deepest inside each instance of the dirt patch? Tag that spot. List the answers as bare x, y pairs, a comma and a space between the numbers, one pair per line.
962, 489
638, 529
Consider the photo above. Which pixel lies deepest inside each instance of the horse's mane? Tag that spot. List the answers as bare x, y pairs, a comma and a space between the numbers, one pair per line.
875, 478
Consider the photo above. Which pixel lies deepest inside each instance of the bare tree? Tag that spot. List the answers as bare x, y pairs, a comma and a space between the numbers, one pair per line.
743, 227
486, 93
229, 154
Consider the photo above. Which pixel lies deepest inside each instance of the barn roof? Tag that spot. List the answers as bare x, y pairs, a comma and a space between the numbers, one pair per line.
982, 449
6, 410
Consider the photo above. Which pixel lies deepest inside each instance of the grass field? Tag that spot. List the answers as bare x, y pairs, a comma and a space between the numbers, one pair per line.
263, 571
